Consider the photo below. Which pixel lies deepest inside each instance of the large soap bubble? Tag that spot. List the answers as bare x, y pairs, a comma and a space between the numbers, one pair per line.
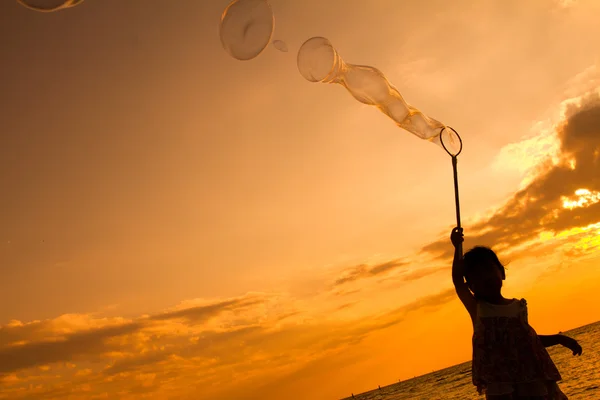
246, 28
49, 5
318, 61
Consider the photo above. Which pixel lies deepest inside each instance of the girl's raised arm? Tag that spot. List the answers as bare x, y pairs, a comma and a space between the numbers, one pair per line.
458, 273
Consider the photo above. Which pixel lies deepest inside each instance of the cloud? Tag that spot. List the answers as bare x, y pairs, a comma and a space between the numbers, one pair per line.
201, 314
133, 363
562, 196
323, 347
345, 305
17, 332
394, 317
405, 272
364, 271
419, 273
171, 355
341, 292
18, 357
44, 342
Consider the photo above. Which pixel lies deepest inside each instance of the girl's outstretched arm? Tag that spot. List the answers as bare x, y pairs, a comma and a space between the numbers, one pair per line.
553, 340
550, 340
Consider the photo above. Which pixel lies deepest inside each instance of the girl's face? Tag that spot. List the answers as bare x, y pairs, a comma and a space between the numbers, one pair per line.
486, 280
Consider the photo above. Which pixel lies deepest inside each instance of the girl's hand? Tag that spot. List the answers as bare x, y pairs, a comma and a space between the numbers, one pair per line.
571, 344
457, 237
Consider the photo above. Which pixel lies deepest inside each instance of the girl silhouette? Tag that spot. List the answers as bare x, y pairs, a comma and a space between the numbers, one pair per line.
510, 361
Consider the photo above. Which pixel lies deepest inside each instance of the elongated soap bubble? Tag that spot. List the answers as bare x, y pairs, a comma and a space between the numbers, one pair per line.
246, 28
280, 45
49, 5
318, 61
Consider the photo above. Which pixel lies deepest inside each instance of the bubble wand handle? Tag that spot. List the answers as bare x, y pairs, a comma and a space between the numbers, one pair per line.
454, 172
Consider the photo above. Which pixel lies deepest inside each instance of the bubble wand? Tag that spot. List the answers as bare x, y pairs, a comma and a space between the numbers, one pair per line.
318, 61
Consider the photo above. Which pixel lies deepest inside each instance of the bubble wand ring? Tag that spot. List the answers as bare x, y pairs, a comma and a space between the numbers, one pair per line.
454, 169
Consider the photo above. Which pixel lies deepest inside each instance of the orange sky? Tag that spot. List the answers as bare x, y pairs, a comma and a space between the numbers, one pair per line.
179, 224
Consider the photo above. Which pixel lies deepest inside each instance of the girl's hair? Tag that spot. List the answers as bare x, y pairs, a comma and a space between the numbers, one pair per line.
477, 257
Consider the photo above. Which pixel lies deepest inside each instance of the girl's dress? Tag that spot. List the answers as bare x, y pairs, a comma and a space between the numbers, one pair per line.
508, 356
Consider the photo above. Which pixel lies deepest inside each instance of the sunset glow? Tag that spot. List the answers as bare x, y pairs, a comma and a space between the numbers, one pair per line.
180, 224
585, 198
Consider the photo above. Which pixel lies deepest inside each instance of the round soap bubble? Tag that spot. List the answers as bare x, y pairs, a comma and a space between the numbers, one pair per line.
49, 5
246, 28
318, 61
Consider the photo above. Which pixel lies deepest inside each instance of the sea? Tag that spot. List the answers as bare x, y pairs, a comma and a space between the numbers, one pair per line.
581, 375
